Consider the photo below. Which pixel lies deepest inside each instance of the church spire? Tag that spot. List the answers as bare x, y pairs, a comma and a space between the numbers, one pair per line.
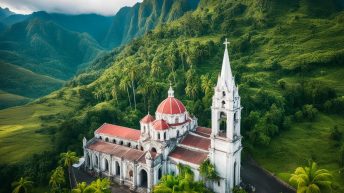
226, 72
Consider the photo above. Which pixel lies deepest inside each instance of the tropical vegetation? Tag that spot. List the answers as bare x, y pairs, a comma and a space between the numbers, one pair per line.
311, 179
183, 182
23, 185
287, 60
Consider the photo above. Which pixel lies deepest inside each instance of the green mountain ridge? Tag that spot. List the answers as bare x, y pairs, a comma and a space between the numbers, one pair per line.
287, 61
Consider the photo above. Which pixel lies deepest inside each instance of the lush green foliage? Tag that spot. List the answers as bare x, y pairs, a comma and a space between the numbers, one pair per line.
57, 179
208, 171
183, 182
310, 179
285, 58
22, 185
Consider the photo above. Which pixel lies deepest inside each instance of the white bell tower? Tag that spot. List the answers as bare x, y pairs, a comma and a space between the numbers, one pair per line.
225, 151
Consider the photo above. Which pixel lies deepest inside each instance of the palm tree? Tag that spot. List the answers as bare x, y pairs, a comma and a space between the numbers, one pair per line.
99, 186
206, 84
23, 184
123, 85
80, 188
310, 179
57, 179
191, 90
68, 159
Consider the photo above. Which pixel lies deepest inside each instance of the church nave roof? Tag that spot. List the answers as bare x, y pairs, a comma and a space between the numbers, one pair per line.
188, 155
119, 131
196, 142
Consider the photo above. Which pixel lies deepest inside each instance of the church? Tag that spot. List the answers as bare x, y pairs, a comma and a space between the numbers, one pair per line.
139, 158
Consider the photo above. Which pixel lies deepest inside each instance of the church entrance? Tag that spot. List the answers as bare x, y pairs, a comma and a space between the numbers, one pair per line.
223, 124
143, 178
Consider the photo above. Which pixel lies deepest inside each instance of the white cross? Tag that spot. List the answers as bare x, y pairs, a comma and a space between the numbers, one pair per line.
226, 43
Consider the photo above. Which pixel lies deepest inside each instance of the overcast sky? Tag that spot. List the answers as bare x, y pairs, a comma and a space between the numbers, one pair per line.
103, 7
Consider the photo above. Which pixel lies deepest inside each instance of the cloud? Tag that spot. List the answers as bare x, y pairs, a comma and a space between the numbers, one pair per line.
103, 7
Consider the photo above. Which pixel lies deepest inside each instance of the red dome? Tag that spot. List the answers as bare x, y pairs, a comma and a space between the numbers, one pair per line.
147, 119
171, 105
160, 125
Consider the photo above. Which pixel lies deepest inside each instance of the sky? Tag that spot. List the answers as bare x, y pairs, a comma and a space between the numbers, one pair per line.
102, 7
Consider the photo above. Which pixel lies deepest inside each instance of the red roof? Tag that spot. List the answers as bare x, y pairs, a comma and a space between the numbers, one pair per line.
124, 152
196, 142
119, 131
187, 155
203, 131
160, 125
171, 105
147, 119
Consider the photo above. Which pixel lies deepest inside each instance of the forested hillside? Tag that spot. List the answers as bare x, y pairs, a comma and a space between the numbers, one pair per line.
287, 58
59, 46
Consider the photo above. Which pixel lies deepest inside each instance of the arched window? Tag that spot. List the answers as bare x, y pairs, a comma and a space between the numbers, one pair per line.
107, 139
114, 141
223, 104
177, 133
159, 173
153, 149
141, 148
129, 144
106, 165
100, 137
164, 135
158, 136
120, 142
222, 124
223, 93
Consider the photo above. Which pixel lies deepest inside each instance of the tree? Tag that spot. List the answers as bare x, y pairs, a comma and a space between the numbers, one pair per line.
206, 84
208, 171
80, 188
181, 183
310, 179
57, 179
99, 186
68, 159
22, 185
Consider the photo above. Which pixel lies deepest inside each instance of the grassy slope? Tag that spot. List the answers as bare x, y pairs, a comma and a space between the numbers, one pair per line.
23, 132
8, 99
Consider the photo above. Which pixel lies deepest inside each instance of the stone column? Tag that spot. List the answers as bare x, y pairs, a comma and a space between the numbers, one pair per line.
121, 172
135, 176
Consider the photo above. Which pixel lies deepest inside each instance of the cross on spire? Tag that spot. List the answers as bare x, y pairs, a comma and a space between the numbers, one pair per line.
226, 43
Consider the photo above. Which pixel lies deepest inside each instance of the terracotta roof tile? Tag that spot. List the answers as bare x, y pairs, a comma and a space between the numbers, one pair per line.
160, 125
171, 105
147, 119
203, 131
196, 142
118, 151
119, 131
187, 155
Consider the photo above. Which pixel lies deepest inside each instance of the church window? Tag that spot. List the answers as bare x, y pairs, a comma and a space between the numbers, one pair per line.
177, 133
159, 173
153, 149
141, 148
158, 136
219, 183
222, 124
223, 93
100, 137
223, 104
129, 144
164, 135
121, 142
114, 141
107, 139
131, 173
177, 120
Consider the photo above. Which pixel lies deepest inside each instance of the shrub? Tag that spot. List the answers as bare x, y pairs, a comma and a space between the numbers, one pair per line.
309, 112
336, 134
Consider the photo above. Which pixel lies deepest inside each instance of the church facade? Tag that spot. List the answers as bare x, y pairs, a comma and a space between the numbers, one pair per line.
139, 158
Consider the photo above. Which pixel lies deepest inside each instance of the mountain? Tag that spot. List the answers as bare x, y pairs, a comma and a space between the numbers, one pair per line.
5, 12
131, 22
287, 60
84, 23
